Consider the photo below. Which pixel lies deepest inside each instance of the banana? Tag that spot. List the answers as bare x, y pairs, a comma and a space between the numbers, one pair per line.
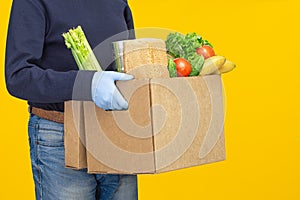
217, 72
212, 64
227, 67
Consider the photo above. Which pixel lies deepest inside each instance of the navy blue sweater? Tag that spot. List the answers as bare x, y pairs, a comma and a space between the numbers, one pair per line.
38, 67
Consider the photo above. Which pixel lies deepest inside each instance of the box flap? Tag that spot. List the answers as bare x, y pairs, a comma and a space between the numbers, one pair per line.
74, 135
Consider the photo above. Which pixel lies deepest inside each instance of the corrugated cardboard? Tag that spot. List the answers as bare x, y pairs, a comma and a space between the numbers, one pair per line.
171, 123
107, 133
193, 132
74, 135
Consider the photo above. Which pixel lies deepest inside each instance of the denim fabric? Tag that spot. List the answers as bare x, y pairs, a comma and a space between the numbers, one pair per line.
55, 182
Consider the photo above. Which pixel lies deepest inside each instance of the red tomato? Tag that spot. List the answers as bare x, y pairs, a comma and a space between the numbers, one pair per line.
205, 51
183, 67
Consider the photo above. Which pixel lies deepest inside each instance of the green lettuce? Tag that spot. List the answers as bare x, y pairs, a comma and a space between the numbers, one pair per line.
184, 46
172, 68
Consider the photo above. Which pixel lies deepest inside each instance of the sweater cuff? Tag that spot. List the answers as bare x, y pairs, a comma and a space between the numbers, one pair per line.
82, 86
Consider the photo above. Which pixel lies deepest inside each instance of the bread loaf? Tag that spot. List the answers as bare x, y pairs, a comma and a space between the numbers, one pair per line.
145, 58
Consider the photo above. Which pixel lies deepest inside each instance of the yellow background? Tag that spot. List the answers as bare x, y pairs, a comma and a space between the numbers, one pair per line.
262, 111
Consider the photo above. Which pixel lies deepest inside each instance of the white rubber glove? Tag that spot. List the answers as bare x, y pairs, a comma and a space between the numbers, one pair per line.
105, 94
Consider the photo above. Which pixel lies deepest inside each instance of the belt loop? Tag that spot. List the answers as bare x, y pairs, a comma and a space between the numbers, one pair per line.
29, 109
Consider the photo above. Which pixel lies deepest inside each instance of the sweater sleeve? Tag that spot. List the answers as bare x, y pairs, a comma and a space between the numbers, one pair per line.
129, 22
25, 78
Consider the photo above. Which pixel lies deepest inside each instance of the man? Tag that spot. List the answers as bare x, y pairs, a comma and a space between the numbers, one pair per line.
40, 69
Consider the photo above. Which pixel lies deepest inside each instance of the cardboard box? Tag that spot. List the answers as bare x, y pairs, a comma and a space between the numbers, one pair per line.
171, 123
74, 135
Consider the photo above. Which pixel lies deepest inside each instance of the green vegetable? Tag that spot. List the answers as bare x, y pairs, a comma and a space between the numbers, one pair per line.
174, 44
203, 42
185, 47
172, 68
197, 64
85, 58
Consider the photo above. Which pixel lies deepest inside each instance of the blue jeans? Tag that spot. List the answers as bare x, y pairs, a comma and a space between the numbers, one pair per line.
55, 182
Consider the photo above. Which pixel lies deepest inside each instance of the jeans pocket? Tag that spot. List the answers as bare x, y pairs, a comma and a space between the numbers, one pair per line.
50, 134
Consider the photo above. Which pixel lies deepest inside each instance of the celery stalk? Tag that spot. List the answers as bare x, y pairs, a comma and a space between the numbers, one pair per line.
84, 56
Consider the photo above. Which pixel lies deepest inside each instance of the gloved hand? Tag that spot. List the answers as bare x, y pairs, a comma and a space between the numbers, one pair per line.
105, 94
